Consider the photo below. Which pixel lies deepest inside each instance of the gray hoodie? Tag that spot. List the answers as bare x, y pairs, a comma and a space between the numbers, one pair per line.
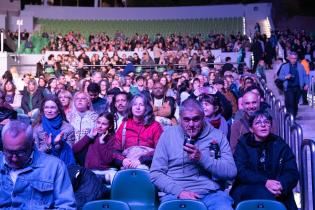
173, 172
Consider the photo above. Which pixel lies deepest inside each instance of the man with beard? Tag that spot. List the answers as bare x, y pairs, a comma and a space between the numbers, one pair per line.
118, 106
251, 103
99, 104
163, 107
192, 159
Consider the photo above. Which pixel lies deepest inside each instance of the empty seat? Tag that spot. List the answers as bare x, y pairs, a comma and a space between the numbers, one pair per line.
182, 205
106, 204
134, 187
260, 205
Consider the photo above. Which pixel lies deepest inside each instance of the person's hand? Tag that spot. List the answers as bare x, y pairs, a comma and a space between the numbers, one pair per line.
288, 76
29, 114
274, 187
305, 87
135, 164
126, 163
59, 137
188, 195
93, 132
193, 151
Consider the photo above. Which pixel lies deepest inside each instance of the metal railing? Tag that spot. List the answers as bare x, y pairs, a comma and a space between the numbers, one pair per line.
308, 202
292, 133
311, 91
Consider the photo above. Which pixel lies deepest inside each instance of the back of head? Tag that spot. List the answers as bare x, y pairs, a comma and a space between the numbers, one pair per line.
94, 88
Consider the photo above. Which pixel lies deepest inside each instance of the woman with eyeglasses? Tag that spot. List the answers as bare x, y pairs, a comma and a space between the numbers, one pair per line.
266, 165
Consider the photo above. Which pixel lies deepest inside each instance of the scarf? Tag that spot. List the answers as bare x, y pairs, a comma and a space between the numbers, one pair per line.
52, 126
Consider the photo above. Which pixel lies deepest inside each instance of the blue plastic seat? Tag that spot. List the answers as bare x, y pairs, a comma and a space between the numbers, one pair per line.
134, 187
182, 205
260, 205
106, 204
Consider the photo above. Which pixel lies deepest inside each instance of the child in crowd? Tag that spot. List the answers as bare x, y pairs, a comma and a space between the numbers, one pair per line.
98, 145
212, 109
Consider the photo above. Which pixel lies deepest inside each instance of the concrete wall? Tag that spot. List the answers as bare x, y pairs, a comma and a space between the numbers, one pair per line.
3, 21
9, 5
28, 23
132, 13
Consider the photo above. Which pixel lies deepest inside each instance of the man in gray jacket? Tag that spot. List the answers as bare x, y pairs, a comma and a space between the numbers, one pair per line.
192, 159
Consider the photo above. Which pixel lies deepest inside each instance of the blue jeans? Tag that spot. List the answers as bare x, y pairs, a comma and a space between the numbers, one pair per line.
218, 200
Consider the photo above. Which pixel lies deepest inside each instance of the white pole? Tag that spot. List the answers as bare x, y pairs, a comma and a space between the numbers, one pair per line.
2, 41
19, 37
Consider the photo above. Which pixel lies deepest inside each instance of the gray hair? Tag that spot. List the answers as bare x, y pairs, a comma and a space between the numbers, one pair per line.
191, 104
15, 128
290, 53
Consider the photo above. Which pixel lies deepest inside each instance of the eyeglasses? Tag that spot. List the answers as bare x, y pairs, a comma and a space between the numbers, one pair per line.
82, 99
18, 153
260, 123
194, 119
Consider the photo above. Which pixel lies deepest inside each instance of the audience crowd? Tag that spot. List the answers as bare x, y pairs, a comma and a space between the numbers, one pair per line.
103, 117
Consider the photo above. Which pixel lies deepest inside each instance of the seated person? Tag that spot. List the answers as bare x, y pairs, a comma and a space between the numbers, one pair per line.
163, 107
212, 108
266, 166
137, 136
193, 159
29, 178
99, 145
118, 106
6, 114
99, 104
32, 99
82, 117
52, 133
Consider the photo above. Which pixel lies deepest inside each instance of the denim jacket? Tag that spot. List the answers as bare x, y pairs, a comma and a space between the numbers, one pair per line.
44, 184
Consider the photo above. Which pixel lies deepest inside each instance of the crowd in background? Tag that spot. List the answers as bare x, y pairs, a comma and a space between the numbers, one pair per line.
105, 117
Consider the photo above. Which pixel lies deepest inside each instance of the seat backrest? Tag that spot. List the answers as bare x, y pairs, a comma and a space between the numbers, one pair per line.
182, 205
133, 186
106, 204
260, 205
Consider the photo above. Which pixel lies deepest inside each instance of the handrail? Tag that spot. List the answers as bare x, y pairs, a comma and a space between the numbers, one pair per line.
296, 139
283, 112
305, 199
277, 114
312, 91
288, 122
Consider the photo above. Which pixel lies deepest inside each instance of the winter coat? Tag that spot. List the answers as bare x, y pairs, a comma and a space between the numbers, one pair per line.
277, 163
